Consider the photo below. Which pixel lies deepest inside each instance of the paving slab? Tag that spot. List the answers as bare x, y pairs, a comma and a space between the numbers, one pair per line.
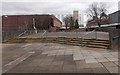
78, 57
109, 64
89, 57
112, 69
95, 65
11, 52
98, 56
102, 60
117, 63
85, 52
59, 63
85, 70
108, 55
100, 70
16, 62
52, 54
82, 65
41, 69
80, 61
112, 59
61, 53
21, 69
68, 53
91, 60
69, 68
59, 57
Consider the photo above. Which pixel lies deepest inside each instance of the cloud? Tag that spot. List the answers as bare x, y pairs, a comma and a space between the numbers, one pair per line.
56, 7
60, 1
52, 7
40, 7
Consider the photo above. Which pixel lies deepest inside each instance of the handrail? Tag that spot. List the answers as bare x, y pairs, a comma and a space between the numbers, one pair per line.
81, 39
22, 33
87, 33
44, 32
116, 37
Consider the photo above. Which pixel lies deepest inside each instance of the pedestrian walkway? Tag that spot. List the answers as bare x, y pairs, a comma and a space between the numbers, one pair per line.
57, 58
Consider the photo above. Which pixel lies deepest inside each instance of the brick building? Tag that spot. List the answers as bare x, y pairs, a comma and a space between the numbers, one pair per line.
14, 25
30, 22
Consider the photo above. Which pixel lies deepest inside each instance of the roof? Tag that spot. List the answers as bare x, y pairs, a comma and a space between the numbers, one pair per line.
29, 15
56, 18
115, 12
108, 25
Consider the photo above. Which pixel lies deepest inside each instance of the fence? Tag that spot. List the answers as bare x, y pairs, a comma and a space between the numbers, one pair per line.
11, 33
7, 34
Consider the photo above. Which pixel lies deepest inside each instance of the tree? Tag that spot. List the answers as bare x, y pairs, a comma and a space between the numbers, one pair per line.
96, 12
68, 20
76, 24
71, 23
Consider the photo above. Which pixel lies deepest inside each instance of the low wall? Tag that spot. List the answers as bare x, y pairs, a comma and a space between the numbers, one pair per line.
6, 35
115, 43
88, 42
9, 34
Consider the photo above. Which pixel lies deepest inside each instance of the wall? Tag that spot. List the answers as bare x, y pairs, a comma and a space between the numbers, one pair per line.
115, 44
57, 23
26, 21
115, 17
13, 25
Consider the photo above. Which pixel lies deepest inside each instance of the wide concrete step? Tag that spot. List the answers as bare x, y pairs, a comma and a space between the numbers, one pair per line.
101, 44
96, 46
101, 41
97, 43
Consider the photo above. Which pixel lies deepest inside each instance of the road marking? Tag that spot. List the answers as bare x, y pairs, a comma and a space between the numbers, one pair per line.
12, 64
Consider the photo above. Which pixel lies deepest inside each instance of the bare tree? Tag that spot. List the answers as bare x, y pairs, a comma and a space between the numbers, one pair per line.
69, 22
97, 13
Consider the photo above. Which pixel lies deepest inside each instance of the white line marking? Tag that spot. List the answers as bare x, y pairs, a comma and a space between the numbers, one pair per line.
12, 64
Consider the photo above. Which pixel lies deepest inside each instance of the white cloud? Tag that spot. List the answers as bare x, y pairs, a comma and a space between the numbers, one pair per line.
51, 6
60, 1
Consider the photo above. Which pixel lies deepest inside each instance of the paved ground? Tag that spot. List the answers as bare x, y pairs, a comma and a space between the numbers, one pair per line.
56, 58
11, 52
104, 35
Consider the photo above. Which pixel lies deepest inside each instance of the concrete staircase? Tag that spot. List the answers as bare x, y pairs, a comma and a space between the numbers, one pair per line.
88, 42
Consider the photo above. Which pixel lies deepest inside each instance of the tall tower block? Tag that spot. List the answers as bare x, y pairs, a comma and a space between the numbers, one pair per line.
75, 15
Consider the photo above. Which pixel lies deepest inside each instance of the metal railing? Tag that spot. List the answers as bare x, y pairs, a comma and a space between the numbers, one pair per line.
82, 37
21, 34
45, 33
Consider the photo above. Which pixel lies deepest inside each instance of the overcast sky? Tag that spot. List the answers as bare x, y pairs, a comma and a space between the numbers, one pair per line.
52, 6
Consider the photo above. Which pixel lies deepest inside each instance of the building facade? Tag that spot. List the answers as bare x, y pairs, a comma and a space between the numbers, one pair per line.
31, 22
114, 17
75, 15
